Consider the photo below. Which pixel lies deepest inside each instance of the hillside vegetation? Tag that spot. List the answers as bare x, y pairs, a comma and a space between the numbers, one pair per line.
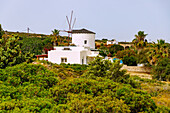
27, 85
55, 88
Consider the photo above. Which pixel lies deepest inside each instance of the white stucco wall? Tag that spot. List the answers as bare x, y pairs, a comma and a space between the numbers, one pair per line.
74, 56
79, 38
83, 56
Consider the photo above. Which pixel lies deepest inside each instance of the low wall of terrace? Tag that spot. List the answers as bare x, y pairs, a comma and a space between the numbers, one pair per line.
138, 69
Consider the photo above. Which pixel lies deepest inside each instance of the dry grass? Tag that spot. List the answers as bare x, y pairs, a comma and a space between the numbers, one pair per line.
141, 75
159, 90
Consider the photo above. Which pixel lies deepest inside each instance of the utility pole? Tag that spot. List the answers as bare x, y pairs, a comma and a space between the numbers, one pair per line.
28, 29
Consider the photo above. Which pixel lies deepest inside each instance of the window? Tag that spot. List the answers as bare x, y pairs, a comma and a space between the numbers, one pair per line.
85, 41
63, 60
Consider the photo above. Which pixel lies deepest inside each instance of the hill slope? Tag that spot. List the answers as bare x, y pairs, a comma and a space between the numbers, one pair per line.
45, 88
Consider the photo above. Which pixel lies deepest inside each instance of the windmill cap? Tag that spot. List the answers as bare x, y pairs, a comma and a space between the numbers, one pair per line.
82, 31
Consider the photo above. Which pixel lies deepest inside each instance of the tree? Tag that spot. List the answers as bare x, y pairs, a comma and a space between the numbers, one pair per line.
115, 48
130, 61
47, 45
142, 56
10, 51
128, 56
104, 40
32, 45
139, 40
157, 51
161, 71
56, 36
106, 69
103, 51
140, 36
1, 31
121, 54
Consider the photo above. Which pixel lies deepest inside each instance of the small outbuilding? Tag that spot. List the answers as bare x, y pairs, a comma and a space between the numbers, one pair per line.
111, 42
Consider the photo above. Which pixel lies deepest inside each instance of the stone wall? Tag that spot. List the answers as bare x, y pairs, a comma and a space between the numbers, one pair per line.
138, 69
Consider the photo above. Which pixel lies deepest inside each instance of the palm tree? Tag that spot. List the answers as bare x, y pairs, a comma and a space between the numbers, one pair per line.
157, 51
140, 36
56, 36
140, 41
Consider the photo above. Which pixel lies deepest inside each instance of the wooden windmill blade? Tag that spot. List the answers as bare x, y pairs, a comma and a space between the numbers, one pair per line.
73, 23
70, 25
71, 20
68, 22
63, 31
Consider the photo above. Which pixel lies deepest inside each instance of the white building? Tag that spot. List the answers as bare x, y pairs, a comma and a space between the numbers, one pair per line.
83, 53
112, 42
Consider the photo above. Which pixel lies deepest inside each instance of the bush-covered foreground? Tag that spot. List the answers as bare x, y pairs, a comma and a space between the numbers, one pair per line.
37, 88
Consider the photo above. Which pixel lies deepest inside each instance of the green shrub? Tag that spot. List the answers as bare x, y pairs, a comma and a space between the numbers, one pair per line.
25, 88
161, 71
130, 61
104, 51
34, 88
122, 54
109, 70
115, 48
104, 95
31, 73
106, 69
142, 56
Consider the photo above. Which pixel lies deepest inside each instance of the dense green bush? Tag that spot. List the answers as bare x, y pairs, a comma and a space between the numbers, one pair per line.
142, 56
106, 69
32, 45
121, 54
36, 45
103, 51
76, 67
101, 95
115, 48
34, 88
65, 71
130, 61
129, 57
161, 71
31, 73
25, 88
109, 70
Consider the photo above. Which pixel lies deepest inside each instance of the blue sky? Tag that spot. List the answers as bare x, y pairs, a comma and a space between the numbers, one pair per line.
112, 19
